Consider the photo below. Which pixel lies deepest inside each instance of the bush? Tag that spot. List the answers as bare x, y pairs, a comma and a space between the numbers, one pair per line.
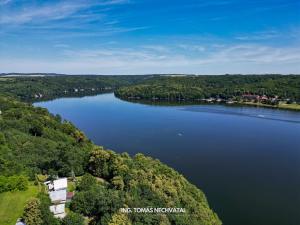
32, 214
13, 183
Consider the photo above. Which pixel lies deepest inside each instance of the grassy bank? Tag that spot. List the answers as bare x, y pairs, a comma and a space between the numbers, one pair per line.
12, 204
280, 106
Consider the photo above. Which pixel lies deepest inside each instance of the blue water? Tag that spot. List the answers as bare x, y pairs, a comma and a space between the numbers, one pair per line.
245, 159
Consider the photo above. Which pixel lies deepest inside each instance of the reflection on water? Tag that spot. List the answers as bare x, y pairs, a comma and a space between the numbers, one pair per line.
262, 113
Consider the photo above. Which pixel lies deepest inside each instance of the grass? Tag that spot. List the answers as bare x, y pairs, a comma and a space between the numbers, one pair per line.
289, 106
12, 204
279, 106
71, 186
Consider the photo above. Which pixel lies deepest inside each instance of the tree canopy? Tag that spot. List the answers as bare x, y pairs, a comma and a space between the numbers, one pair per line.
223, 86
112, 181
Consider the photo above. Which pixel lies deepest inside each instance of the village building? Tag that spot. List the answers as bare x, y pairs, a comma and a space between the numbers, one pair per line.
57, 190
59, 184
58, 210
58, 196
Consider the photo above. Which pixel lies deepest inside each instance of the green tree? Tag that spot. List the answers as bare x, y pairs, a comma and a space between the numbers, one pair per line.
36, 129
87, 182
99, 163
2, 139
73, 219
119, 219
32, 214
118, 182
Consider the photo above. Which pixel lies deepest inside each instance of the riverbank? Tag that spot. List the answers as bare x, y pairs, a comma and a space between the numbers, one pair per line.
293, 106
284, 106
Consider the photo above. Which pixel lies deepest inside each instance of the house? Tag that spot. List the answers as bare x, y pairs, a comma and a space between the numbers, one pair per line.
59, 184
57, 190
59, 196
264, 98
58, 210
250, 97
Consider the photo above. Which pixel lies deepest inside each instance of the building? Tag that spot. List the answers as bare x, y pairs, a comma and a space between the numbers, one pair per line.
57, 190
59, 184
59, 196
58, 210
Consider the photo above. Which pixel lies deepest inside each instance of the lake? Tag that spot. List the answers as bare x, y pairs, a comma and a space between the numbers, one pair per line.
245, 159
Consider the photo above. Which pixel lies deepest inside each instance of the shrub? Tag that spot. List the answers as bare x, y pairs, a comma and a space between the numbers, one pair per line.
13, 183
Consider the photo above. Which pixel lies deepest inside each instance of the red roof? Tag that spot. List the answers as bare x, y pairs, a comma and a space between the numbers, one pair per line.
70, 195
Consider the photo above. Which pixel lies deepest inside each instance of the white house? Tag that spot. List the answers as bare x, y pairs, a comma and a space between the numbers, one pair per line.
58, 210
59, 196
59, 184
57, 191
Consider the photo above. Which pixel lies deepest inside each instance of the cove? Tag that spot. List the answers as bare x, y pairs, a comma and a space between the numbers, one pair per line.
245, 159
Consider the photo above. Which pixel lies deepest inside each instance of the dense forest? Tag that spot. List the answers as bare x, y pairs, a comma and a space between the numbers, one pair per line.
34, 143
179, 88
28, 88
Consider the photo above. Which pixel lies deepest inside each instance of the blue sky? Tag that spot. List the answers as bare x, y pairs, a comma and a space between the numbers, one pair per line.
150, 36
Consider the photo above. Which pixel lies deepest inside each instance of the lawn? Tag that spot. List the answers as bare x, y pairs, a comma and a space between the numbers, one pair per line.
12, 204
290, 106
293, 106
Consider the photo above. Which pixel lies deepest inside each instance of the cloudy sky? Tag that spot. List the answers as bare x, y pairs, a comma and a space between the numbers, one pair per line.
150, 36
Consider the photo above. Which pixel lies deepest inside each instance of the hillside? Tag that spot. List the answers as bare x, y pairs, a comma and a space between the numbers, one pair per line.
32, 142
33, 88
222, 87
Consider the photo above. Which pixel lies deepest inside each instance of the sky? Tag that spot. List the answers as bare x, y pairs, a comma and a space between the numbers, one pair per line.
150, 36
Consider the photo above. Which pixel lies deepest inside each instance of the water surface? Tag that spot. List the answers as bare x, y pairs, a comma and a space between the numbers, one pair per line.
245, 159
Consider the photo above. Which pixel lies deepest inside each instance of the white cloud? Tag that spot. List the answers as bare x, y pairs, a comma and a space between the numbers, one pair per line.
228, 59
50, 12
157, 48
266, 35
199, 48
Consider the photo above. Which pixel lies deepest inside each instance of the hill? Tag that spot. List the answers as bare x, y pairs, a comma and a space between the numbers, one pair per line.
268, 89
32, 142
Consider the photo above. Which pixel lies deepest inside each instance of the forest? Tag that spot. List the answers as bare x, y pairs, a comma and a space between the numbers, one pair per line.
34, 144
268, 89
29, 89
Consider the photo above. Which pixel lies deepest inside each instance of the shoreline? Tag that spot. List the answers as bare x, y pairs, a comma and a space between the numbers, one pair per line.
284, 106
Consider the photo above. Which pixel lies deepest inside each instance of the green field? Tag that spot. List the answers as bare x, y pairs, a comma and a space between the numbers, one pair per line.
289, 106
280, 106
12, 204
